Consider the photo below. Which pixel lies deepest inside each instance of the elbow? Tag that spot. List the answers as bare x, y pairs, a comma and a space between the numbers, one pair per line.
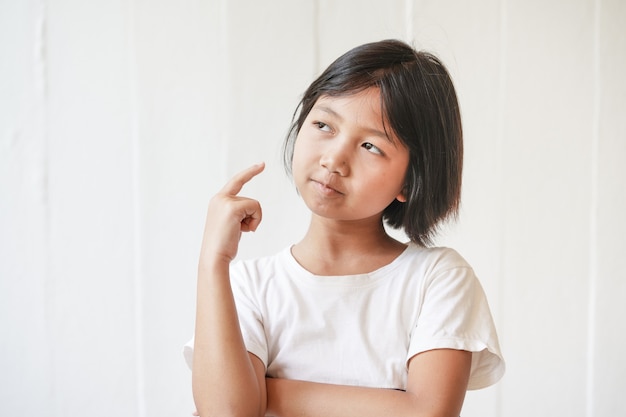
207, 406
233, 410
226, 413
227, 397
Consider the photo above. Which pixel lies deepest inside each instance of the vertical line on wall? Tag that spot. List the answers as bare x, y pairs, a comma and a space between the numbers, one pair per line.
41, 76
224, 102
501, 129
593, 211
408, 21
316, 37
136, 215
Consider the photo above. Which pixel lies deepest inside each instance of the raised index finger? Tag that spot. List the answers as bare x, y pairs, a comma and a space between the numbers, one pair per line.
237, 182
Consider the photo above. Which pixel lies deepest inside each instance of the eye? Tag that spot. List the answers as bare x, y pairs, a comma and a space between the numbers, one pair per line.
322, 126
372, 148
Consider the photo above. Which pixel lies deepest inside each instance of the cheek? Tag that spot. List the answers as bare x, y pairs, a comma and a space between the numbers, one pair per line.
301, 154
298, 161
297, 152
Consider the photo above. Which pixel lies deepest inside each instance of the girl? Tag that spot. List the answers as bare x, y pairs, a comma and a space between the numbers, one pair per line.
349, 321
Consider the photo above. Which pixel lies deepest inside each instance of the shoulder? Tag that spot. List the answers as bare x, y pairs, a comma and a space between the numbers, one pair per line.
258, 270
433, 260
441, 270
261, 261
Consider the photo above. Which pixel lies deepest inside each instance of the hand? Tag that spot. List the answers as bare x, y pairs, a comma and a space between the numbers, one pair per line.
228, 216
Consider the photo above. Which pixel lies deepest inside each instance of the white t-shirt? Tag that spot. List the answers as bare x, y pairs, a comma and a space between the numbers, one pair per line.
363, 329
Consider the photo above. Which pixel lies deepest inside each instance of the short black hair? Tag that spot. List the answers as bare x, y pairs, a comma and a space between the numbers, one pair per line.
420, 105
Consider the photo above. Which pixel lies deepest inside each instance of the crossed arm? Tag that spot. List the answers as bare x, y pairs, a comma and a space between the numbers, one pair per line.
442, 396
437, 382
436, 387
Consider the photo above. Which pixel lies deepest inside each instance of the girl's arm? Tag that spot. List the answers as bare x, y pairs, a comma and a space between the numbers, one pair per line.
226, 379
436, 386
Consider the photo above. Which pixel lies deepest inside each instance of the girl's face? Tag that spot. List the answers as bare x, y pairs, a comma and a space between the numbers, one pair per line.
344, 164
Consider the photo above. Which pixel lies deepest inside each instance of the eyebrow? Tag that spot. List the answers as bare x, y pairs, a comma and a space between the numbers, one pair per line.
370, 130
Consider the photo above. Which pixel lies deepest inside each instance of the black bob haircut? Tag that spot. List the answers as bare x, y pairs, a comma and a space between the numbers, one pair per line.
420, 106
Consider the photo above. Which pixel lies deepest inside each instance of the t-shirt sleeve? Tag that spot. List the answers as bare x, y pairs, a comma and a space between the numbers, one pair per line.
455, 315
188, 353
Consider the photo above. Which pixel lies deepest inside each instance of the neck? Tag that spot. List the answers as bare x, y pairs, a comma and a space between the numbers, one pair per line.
332, 247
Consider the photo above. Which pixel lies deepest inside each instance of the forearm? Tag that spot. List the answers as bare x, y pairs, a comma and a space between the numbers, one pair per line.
307, 399
288, 398
224, 378
436, 385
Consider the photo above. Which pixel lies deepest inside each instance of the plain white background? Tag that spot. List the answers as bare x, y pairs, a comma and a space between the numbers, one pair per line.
119, 119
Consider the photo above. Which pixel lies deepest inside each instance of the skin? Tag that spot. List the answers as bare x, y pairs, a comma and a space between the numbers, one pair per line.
347, 170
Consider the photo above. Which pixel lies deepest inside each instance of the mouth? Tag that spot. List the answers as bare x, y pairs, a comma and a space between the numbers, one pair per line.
326, 189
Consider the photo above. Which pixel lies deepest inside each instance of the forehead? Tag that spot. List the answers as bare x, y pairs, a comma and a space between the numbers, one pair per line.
369, 96
362, 107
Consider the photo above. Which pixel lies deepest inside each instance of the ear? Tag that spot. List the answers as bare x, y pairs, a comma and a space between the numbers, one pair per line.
401, 197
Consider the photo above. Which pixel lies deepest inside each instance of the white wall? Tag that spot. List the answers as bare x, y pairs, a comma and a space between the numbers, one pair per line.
119, 119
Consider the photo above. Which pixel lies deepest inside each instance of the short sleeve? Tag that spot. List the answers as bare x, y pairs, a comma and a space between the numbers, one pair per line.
455, 315
188, 353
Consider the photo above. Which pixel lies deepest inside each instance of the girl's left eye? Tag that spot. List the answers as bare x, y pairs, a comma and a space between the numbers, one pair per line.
372, 148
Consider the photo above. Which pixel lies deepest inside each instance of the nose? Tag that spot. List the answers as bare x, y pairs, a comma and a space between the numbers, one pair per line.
335, 157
